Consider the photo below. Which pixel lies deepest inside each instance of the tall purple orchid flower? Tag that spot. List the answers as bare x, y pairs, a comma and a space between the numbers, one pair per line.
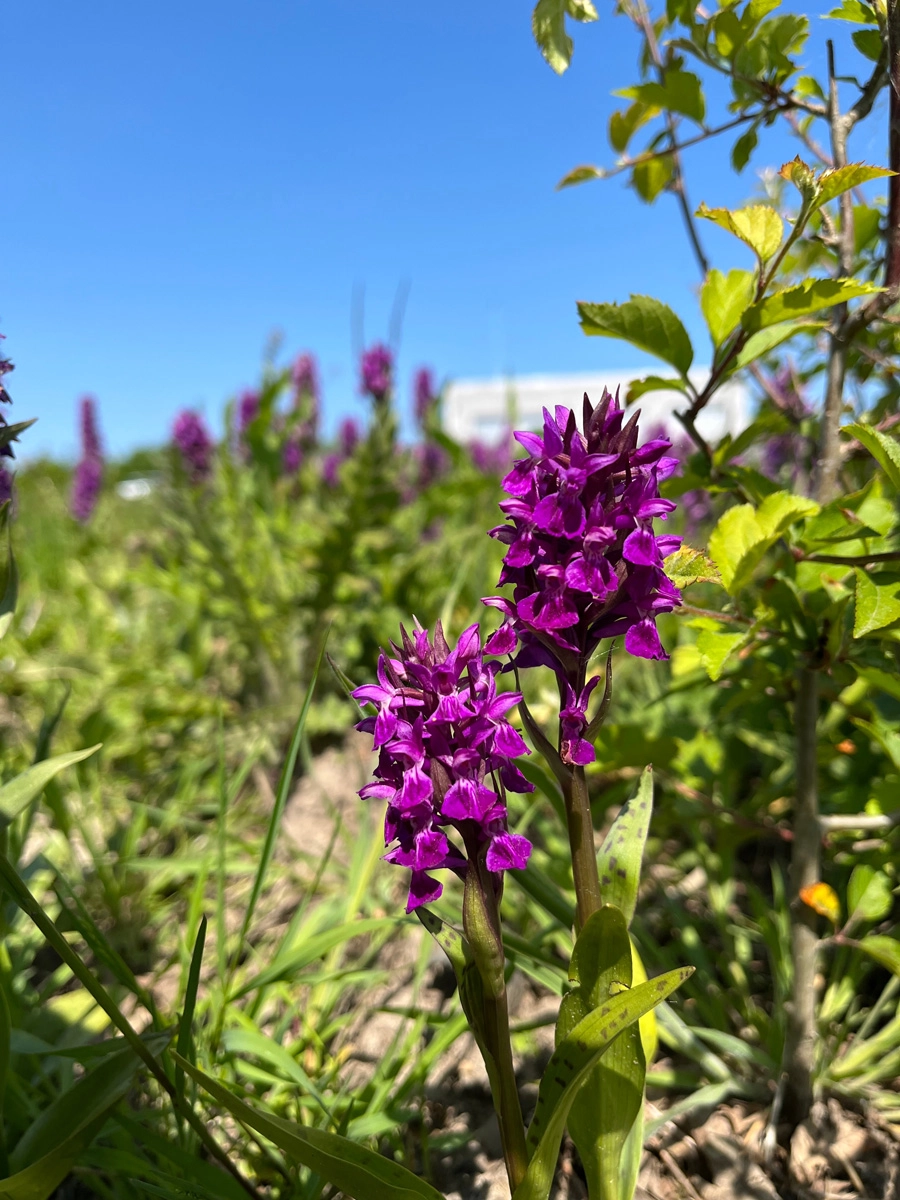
582, 556
190, 435
446, 755
376, 371
585, 564
88, 476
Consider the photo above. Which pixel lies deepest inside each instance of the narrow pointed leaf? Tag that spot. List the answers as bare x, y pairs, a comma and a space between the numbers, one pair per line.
354, 1169
19, 792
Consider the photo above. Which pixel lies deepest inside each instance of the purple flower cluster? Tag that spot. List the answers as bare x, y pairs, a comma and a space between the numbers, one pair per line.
194, 443
376, 372
582, 555
305, 375
292, 456
445, 761
88, 476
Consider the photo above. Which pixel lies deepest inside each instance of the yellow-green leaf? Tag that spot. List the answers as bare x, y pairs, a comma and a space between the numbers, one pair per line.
835, 182
715, 647
724, 299
548, 24
580, 175
758, 225
808, 297
761, 343
686, 566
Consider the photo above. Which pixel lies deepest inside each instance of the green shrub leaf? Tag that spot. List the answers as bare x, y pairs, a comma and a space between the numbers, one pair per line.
644, 322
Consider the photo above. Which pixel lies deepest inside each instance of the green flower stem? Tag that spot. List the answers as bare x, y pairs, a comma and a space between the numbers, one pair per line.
481, 921
581, 843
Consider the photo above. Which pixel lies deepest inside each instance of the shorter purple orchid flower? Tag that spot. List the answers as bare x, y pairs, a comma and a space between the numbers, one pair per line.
445, 764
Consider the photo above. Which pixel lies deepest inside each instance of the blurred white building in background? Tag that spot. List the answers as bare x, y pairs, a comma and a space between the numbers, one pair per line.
484, 409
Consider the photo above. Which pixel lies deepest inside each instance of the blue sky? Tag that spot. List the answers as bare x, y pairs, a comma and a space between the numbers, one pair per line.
183, 180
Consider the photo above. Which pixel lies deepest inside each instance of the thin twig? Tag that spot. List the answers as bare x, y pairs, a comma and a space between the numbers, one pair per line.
645, 24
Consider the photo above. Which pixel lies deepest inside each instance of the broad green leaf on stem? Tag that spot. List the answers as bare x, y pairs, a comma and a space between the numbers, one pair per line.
653, 383
744, 147
805, 298
835, 182
885, 950
885, 450
353, 1169
724, 299
622, 852
644, 322
869, 895
877, 602
548, 24
611, 1098
687, 566
862, 514
767, 339
652, 177
715, 647
854, 11
780, 510
869, 43
16, 795
569, 1066
624, 125
679, 91
888, 739
758, 226
582, 174
744, 534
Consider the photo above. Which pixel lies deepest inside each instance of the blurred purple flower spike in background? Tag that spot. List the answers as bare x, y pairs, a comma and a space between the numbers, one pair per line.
194, 443
376, 372
445, 762
88, 475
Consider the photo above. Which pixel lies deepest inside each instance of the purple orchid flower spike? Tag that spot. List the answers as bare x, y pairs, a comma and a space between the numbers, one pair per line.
446, 753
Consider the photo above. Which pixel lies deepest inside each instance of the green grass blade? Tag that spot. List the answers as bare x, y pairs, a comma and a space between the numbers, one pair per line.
355, 1170
281, 799
16, 795
185, 1044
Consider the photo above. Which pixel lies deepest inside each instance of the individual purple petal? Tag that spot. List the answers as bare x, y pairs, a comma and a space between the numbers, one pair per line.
642, 640
508, 741
422, 890
468, 800
640, 548
508, 852
503, 641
